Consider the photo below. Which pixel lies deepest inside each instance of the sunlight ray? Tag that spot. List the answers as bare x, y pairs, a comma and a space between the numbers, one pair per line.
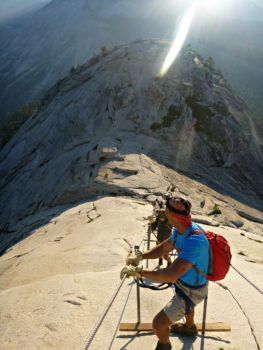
181, 35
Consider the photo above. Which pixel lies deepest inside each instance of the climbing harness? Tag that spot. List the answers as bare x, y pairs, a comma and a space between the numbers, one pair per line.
189, 305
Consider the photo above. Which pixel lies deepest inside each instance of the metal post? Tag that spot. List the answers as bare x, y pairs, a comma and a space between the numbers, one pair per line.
138, 304
148, 242
204, 315
136, 248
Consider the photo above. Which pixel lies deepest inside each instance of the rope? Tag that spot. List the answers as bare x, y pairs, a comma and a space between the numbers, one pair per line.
99, 322
252, 284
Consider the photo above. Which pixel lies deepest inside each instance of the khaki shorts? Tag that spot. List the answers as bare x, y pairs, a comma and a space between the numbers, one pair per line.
175, 309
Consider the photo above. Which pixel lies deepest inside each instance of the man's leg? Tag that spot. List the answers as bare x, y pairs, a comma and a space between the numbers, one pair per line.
161, 324
190, 319
188, 327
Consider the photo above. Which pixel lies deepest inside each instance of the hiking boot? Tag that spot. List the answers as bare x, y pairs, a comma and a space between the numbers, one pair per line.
181, 328
167, 346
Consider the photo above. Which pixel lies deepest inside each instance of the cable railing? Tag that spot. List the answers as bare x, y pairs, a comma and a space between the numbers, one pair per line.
108, 306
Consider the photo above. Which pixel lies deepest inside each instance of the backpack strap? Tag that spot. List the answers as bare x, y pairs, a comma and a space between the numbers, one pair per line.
199, 271
210, 263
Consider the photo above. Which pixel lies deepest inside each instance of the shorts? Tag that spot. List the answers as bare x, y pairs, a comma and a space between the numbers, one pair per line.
176, 307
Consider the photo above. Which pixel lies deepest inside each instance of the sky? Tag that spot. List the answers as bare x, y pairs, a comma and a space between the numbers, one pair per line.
227, 9
241, 9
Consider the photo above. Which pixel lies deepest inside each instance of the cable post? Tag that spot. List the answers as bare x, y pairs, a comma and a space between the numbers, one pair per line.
148, 242
136, 249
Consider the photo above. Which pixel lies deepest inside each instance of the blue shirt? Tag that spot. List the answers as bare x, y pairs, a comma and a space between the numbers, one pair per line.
194, 248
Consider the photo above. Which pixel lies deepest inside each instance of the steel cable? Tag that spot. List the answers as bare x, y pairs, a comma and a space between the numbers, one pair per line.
103, 315
100, 320
119, 321
252, 284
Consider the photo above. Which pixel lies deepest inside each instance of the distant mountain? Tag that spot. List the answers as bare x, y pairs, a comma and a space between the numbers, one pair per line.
64, 34
114, 106
59, 36
236, 47
10, 9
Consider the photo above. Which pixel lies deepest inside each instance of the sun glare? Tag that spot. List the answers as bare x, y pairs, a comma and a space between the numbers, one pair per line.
211, 5
181, 35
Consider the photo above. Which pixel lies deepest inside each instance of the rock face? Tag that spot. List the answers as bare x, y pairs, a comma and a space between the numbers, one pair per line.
115, 136
113, 127
64, 34
60, 279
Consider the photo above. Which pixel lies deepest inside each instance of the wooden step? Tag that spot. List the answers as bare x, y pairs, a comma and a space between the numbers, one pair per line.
147, 327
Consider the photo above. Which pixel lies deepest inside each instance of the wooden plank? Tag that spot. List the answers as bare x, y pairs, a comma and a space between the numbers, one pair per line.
147, 327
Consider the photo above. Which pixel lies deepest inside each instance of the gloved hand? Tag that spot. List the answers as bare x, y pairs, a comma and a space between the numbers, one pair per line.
131, 271
134, 258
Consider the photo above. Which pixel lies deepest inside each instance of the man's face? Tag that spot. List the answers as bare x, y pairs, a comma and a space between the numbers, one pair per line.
162, 215
176, 204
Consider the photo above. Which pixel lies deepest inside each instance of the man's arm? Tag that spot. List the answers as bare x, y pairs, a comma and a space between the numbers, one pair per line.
170, 274
160, 250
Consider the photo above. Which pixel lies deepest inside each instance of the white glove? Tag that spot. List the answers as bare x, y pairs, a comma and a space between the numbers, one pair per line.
131, 271
134, 258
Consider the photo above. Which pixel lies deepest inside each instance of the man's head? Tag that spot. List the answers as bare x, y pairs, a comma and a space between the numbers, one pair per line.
178, 211
161, 215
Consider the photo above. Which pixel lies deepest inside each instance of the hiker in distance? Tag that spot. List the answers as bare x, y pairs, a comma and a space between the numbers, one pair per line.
192, 246
163, 228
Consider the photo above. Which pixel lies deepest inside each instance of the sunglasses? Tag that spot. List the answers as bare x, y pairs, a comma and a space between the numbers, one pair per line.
185, 212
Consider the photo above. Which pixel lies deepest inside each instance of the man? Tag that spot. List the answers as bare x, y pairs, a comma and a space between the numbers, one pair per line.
163, 228
191, 286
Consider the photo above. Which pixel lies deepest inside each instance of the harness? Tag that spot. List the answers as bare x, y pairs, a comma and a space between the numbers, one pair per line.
189, 305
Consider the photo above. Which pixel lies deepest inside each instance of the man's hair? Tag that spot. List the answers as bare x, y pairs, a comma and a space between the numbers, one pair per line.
187, 206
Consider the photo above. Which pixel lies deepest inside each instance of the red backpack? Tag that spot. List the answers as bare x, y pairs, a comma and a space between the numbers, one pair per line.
219, 257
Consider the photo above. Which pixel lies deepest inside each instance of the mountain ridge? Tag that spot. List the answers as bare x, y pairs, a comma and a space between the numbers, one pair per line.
97, 125
33, 60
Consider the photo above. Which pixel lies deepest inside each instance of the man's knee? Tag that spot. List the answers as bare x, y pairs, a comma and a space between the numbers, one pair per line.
161, 321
